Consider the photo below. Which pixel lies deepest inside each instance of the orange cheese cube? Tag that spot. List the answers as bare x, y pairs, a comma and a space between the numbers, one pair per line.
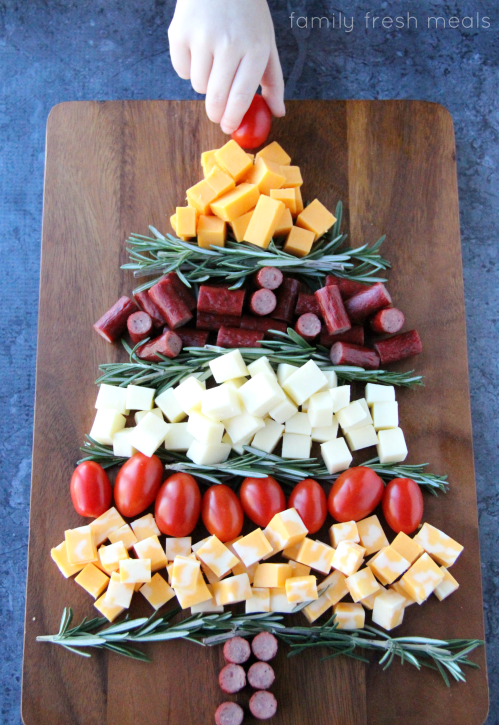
266, 175
334, 587
361, 584
235, 203
208, 161
422, 579
387, 565
220, 182
316, 218
240, 225
92, 580
109, 611
371, 534
406, 547
301, 589
316, 608
200, 196
274, 152
287, 196
80, 545
157, 591
292, 176
285, 224
233, 160
212, 231
259, 602
173, 222
151, 549
264, 221
105, 524
186, 221
299, 242
438, 545
299, 200
124, 534
145, 527
349, 616
447, 586
59, 555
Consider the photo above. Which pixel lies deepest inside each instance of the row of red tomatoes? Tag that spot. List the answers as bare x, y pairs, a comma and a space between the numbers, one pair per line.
178, 502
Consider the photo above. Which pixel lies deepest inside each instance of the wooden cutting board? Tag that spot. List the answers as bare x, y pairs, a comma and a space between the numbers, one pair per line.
112, 169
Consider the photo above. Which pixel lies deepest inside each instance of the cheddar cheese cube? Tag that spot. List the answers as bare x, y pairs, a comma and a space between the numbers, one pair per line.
285, 529
272, 575
264, 221
336, 455
368, 602
178, 546
348, 557
200, 197
235, 203
299, 200
284, 225
173, 222
447, 586
397, 587
111, 396
186, 573
118, 594
105, 524
110, 556
170, 406
186, 221
187, 598
145, 527
80, 545
259, 602
151, 549
298, 569
316, 555
135, 571
266, 175
361, 584
387, 565
107, 422
293, 177
60, 556
279, 601
346, 531
252, 548
109, 611
125, 535
287, 197
299, 241
388, 610
208, 161
217, 556
349, 616
157, 592
301, 589
240, 225
438, 545
317, 608
249, 570
92, 580
407, 547
274, 152
316, 218
422, 578
371, 535
220, 182
207, 606
334, 587
211, 232
233, 160
232, 590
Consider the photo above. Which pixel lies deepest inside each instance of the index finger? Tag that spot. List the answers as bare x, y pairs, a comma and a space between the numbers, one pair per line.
242, 92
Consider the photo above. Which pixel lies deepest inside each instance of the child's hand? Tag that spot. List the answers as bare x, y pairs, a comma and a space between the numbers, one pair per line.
227, 48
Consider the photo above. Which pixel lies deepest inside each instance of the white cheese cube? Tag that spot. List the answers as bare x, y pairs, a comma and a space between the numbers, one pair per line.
366, 420
332, 379
306, 381
336, 455
358, 438
267, 438
139, 398
320, 410
340, 396
296, 446
261, 365
221, 402
112, 397
107, 422
170, 406
386, 415
122, 445
228, 366
259, 602
261, 394
328, 433
208, 455
350, 415
149, 434
142, 414
379, 393
189, 394
388, 610
284, 371
284, 410
237, 447
299, 424
305, 404
236, 383
391, 447
204, 429
242, 426
178, 437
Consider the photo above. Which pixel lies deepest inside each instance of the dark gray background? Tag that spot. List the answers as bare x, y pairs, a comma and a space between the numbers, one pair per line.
60, 50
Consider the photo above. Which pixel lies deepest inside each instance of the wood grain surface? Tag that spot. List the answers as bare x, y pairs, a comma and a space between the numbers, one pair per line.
114, 168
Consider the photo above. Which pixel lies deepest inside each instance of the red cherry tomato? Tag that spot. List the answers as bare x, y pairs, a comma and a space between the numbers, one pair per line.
222, 512
355, 494
403, 505
178, 504
309, 499
90, 489
262, 499
255, 126
137, 484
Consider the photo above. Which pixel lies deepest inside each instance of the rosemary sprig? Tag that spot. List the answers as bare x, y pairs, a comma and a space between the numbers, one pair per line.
445, 656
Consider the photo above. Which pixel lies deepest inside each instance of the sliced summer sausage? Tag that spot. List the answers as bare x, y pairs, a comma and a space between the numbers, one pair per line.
207, 321
348, 287
168, 344
307, 303
264, 646
354, 335
390, 320
344, 353
308, 326
261, 675
232, 678
399, 347
139, 326
146, 304
229, 713
191, 337
366, 303
262, 324
263, 302
185, 294
237, 650
235, 337
170, 304
332, 309
286, 299
263, 705
112, 324
268, 278
220, 301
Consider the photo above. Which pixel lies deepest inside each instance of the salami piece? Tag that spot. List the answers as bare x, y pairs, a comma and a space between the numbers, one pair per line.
263, 705
399, 347
237, 650
348, 287
206, 321
191, 337
263, 324
366, 303
235, 337
307, 303
263, 302
171, 306
139, 326
185, 294
113, 323
261, 675
354, 335
168, 344
220, 301
146, 304
344, 353
390, 320
268, 278
264, 646
332, 309
232, 678
286, 299
229, 713
308, 326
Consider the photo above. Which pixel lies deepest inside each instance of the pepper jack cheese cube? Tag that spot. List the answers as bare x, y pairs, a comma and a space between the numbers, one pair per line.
118, 594
438, 545
228, 366
406, 547
316, 218
169, 405
211, 232
283, 410
240, 225
447, 586
301, 589
135, 571
267, 438
306, 381
368, 602
186, 573
372, 537
253, 548
122, 443
299, 423
113, 397
360, 438
139, 398
204, 429
326, 433
191, 599
293, 177
272, 575
320, 410
125, 535
233, 160
107, 422
221, 402
348, 557
336, 455
346, 531
361, 584
299, 241
387, 565
388, 610
385, 415
208, 454
149, 434
178, 438
341, 397
274, 152
151, 549
110, 556
179, 546
259, 602
279, 601
217, 556
235, 203
349, 616
298, 569
261, 365
145, 527
422, 578
59, 555
334, 587
80, 545
109, 611
392, 447
397, 587
232, 590
266, 175
316, 555
379, 393
350, 415
261, 394
189, 393
316, 608
157, 591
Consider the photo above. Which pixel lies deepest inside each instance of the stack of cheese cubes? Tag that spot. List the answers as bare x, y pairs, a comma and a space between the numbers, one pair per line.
252, 405
258, 197
209, 575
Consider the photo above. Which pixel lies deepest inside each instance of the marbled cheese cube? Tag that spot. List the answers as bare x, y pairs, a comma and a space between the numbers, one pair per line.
249, 570
272, 575
139, 398
221, 402
110, 556
243, 426
285, 529
301, 589
261, 365
118, 594
204, 429
284, 410
140, 414
306, 381
361, 584
125, 535
348, 557
407, 547
386, 415
350, 415
178, 438
122, 443
145, 527
169, 572
327, 433
371, 534
334, 587
422, 578
111, 397
217, 556
316, 608
232, 590
279, 601
379, 393
447, 586
368, 602
92, 580
267, 438
149, 434
291, 552
109, 611
151, 549
135, 571
189, 394
392, 447
201, 594
349, 616
387, 565
336, 455
320, 410
186, 573
180, 546
169, 405
388, 610
299, 423
284, 371
296, 446
298, 569
340, 396
438, 545
209, 606
228, 366
60, 556
252, 548
259, 602
261, 394
105, 524
107, 422
347, 531
157, 592
397, 587
208, 454
80, 545
316, 555
359, 438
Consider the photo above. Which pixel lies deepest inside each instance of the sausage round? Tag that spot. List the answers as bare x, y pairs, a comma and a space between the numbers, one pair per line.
234, 337
355, 335
191, 337
262, 324
399, 347
229, 713
263, 302
286, 299
146, 304
220, 301
169, 303
366, 303
237, 650
332, 309
232, 678
264, 646
139, 326
185, 294
308, 326
307, 303
348, 287
268, 278
261, 675
207, 321
112, 324
389, 320
168, 344
263, 705
343, 353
